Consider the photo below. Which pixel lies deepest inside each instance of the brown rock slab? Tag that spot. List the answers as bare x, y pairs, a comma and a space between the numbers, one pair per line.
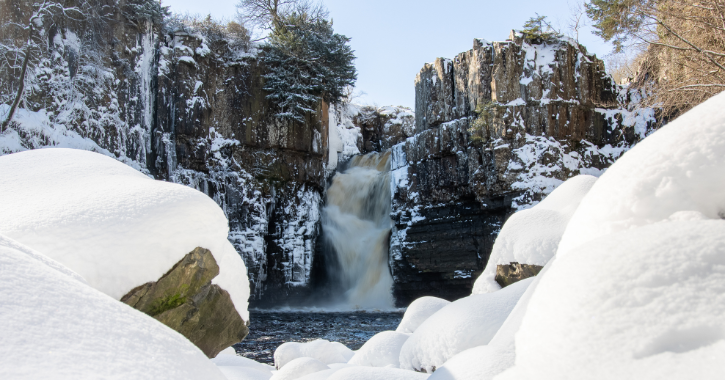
185, 300
515, 272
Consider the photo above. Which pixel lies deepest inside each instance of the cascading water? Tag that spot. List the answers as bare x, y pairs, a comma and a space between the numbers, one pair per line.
356, 226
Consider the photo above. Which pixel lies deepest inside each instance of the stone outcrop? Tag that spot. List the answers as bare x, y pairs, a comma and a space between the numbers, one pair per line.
515, 272
185, 300
554, 113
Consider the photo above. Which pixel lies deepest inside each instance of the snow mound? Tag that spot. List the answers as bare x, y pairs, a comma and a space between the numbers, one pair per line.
646, 303
681, 167
323, 375
381, 350
485, 362
325, 351
532, 236
466, 323
114, 226
376, 373
56, 327
418, 311
236, 367
299, 367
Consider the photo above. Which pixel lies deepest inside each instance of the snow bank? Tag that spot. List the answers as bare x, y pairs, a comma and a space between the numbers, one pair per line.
418, 311
57, 327
374, 373
381, 350
532, 236
236, 367
681, 167
111, 224
299, 367
645, 303
466, 323
325, 351
485, 362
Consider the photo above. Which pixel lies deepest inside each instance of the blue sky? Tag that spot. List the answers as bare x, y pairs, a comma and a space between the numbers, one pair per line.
394, 39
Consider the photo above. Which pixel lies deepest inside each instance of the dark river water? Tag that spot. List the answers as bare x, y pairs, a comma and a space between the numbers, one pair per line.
269, 329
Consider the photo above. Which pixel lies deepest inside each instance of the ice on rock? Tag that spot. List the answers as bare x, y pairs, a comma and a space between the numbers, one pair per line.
236, 367
382, 350
485, 362
325, 351
418, 311
54, 326
532, 236
681, 167
298, 368
645, 303
376, 373
466, 323
111, 224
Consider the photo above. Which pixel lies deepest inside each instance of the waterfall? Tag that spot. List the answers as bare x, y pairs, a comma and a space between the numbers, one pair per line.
356, 226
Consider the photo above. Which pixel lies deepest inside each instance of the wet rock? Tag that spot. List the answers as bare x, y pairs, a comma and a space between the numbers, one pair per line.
185, 300
515, 272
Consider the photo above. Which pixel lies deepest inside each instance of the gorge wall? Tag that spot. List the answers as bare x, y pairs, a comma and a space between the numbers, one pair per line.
549, 112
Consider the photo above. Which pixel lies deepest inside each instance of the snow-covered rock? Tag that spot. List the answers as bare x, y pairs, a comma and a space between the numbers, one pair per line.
466, 323
376, 373
298, 368
382, 350
418, 311
325, 351
236, 367
645, 303
54, 326
111, 224
681, 167
532, 236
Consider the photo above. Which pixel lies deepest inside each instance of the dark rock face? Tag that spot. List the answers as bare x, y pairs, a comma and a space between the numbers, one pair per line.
188, 110
555, 114
185, 300
515, 272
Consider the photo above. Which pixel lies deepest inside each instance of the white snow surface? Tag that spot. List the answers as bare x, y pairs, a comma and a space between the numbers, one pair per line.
111, 224
382, 350
325, 351
466, 323
643, 303
54, 326
681, 167
532, 236
485, 362
418, 311
298, 368
238, 367
376, 373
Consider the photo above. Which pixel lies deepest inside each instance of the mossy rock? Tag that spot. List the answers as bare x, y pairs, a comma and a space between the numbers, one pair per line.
515, 272
185, 300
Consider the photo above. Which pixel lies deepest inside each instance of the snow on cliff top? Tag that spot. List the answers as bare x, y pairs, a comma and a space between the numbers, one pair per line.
111, 224
54, 326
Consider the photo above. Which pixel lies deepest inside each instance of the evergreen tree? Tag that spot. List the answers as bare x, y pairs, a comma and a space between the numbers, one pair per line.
306, 61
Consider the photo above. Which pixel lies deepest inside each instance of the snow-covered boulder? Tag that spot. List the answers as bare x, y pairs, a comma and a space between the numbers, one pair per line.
382, 350
466, 323
298, 368
418, 311
681, 167
236, 367
531, 237
54, 326
646, 303
325, 351
376, 373
118, 228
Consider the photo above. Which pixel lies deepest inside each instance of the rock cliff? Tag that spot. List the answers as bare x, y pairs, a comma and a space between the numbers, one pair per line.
496, 129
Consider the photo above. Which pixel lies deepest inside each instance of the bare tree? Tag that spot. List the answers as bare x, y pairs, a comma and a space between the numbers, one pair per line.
18, 55
268, 13
577, 18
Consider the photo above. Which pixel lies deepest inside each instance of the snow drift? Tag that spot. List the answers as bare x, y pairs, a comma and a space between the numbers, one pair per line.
418, 311
114, 226
57, 327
